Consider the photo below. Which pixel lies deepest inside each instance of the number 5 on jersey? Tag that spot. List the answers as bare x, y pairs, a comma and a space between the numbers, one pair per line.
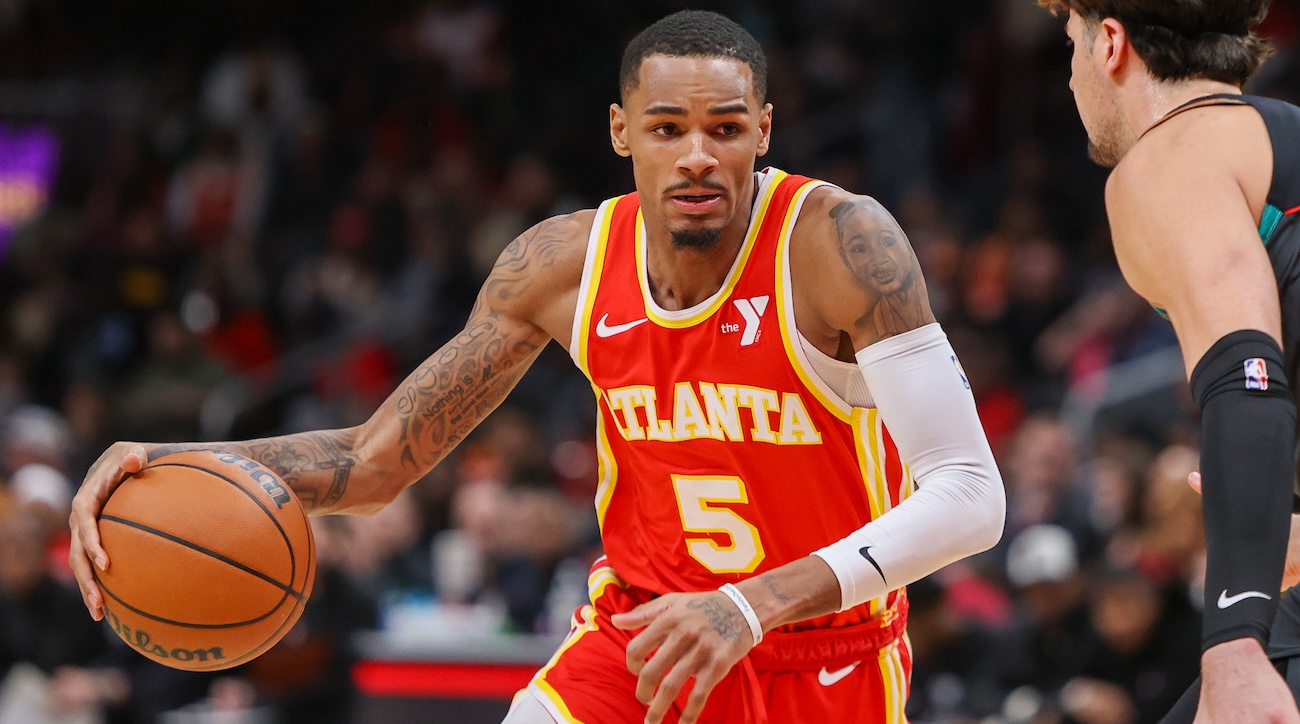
697, 498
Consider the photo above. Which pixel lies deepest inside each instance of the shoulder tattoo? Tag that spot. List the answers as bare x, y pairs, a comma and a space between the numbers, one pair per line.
882, 263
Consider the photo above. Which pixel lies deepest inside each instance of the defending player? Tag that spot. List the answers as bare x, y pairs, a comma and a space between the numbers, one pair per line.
1202, 204
746, 334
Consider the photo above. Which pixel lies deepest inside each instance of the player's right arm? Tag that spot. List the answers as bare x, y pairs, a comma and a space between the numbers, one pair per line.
528, 299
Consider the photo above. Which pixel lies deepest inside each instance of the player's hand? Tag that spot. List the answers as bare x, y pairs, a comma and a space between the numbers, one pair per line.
687, 635
117, 462
1291, 573
1239, 684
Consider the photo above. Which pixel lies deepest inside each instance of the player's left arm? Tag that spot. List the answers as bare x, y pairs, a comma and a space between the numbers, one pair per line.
1186, 237
872, 292
854, 273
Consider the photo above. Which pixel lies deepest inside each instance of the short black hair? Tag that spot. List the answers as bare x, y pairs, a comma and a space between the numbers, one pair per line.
694, 34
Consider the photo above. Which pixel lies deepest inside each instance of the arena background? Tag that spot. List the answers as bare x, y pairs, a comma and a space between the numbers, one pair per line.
229, 218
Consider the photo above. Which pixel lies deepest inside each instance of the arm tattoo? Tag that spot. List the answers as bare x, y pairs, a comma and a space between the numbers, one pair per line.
317, 466
725, 619
442, 401
774, 588
880, 259
437, 405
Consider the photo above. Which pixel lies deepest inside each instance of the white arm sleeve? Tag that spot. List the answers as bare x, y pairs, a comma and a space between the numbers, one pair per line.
959, 506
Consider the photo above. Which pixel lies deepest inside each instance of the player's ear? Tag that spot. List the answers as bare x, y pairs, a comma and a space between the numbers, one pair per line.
765, 129
1115, 46
618, 130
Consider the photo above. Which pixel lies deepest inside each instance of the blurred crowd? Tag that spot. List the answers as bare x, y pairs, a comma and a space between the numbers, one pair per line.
265, 213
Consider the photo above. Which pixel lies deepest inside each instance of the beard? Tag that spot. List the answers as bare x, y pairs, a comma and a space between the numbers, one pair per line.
1104, 155
1106, 137
697, 239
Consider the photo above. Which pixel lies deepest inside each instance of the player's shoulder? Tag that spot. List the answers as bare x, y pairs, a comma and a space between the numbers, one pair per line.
826, 199
1200, 148
541, 265
556, 246
826, 207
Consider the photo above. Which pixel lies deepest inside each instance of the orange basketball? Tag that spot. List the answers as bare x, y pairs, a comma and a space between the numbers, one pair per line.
211, 560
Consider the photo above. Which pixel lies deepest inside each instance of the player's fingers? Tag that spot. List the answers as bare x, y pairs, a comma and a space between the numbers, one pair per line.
669, 689
90, 501
134, 461
85, 579
705, 680
84, 522
644, 643
641, 615
1194, 480
661, 661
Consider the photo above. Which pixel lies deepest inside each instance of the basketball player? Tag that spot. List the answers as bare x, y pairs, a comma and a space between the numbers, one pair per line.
747, 334
1202, 204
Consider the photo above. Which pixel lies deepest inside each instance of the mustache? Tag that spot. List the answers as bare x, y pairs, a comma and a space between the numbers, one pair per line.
703, 184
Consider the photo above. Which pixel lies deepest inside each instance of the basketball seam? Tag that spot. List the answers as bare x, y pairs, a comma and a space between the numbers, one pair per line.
185, 624
293, 562
288, 589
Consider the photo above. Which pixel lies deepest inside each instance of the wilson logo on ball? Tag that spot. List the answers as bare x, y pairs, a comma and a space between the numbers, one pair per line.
263, 477
141, 640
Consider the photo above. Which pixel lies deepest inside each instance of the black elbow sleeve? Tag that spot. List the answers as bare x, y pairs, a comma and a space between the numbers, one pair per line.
1247, 458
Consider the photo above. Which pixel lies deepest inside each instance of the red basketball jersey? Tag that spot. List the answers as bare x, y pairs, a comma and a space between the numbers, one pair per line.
722, 453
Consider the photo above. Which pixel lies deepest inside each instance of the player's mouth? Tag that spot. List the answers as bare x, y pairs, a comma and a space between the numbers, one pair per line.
696, 204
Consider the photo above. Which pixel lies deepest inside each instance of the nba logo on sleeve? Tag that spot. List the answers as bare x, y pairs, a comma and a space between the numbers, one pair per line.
1256, 374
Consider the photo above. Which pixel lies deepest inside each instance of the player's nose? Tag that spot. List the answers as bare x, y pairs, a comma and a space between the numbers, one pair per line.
698, 159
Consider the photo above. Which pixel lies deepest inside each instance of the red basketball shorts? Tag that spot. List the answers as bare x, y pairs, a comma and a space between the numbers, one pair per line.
859, 674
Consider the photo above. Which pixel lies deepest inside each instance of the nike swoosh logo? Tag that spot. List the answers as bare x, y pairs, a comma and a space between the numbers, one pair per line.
1225, 600
604, 330
866, 553
829, 678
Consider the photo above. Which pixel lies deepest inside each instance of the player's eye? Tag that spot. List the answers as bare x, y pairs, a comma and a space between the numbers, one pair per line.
666, 129
729, 129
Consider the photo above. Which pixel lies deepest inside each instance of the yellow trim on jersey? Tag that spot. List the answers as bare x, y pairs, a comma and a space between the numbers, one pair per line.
876, 431
908, 484
728, 286
894, 680
608, 468
790, 329
599, 580
863, 422
587, 301
539, 680
868, 476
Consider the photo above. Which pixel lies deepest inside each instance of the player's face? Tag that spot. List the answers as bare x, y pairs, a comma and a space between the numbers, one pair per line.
693, 128
878, 259
1097, 107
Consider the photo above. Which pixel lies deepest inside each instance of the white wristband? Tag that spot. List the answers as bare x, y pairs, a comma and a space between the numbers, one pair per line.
746, 610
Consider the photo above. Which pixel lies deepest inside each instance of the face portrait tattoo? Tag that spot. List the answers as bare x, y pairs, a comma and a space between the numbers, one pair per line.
878, 259
877, 254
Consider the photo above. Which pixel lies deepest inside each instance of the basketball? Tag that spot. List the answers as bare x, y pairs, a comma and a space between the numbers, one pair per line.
211, 560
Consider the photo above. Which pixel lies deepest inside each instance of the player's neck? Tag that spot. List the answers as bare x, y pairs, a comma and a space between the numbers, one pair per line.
1158, 99
681, 277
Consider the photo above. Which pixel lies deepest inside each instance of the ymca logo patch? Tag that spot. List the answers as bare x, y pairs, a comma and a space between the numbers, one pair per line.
1256, 374
751, 310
